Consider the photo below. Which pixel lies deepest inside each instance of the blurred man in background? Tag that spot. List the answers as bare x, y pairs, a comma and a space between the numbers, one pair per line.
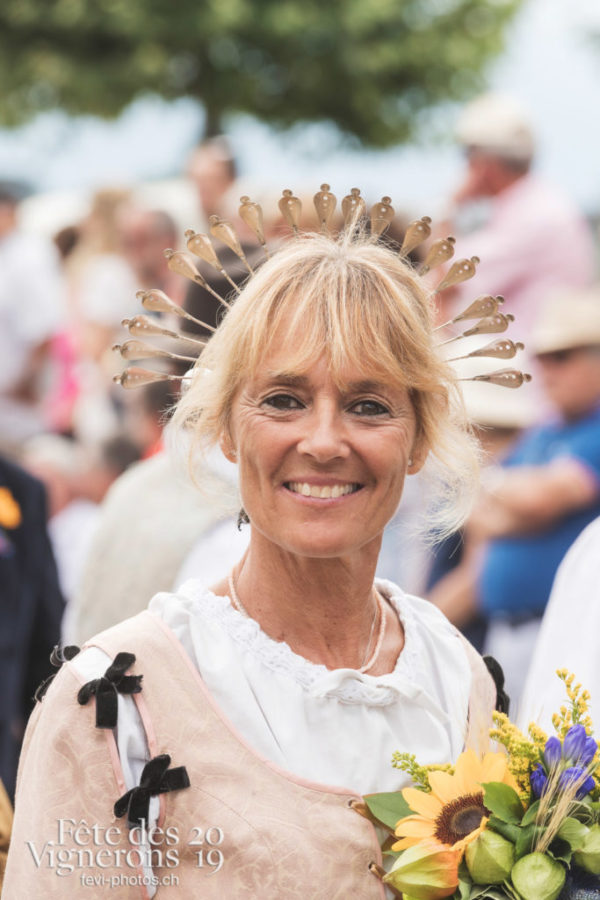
497, 421
213, 170
31, 605
529, 237
145, 233
31, 313
548, 489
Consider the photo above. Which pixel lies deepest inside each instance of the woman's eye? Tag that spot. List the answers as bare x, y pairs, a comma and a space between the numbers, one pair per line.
282, 402
370, 408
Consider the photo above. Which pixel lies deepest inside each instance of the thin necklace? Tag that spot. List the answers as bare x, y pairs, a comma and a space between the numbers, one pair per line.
380, 607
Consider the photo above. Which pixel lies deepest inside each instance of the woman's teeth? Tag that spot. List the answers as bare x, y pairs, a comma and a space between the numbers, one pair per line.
323, 492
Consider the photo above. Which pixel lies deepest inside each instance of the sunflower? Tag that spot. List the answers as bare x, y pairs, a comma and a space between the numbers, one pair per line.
453, 812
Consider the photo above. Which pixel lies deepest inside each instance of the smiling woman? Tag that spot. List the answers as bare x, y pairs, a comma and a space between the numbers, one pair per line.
281, 693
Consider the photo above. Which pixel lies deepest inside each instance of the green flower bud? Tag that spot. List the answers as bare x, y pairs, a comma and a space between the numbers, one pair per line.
490, 858
588, 855
427, 871
538, 877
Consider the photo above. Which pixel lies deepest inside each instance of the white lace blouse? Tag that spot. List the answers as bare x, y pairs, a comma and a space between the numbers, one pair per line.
336, 727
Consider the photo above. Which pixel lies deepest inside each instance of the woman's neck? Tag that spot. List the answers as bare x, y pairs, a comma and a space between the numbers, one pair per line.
325, 609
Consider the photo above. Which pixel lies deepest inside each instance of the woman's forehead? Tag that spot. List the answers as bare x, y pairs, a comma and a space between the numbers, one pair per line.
350, 375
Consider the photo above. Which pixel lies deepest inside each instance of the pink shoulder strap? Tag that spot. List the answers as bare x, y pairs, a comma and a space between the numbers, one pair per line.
482, 700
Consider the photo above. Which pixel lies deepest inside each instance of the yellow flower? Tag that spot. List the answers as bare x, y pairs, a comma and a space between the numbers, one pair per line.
10, 511
453, 813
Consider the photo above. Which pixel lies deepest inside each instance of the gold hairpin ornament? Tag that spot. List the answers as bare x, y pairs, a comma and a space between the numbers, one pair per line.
416, 232
157, 301
201, 246
481, 307
439, 253
222, 230
142, 326
501, 349
509, 378
252, 215
495, 324
139, 350
460, 271
182, 263
353, 207
290, 208
382, 216
325, 203
484, 310
136, 377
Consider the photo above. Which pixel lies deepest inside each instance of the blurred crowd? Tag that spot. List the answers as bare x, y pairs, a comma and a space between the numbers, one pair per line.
117, 521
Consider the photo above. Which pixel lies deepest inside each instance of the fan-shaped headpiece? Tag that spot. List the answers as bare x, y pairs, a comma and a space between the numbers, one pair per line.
483, 312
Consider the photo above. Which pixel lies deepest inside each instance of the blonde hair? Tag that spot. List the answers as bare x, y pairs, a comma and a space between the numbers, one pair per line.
352, 299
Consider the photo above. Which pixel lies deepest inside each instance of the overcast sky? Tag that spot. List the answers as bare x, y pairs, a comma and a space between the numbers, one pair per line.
550, 65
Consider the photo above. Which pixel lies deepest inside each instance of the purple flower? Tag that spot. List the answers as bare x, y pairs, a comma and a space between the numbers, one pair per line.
589, 751
574, 744
539, 781
577, 775
552, 752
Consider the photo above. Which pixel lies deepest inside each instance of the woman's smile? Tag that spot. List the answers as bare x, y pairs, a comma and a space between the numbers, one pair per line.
318, 491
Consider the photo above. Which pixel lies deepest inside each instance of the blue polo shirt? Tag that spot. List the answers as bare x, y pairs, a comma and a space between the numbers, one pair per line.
518, 572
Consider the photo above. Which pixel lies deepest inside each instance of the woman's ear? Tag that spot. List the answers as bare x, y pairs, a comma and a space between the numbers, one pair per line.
227, 448
418, 455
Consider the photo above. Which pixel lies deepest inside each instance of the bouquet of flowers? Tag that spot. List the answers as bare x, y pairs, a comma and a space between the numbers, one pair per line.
514, 825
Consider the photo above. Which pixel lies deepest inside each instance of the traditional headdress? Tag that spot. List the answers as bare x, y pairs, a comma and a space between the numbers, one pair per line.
483, 312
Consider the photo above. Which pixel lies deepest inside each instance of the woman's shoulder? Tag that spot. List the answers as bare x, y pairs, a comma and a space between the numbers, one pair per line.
423, 615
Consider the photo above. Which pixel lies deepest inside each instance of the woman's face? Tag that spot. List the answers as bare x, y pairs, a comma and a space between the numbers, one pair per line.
321, 466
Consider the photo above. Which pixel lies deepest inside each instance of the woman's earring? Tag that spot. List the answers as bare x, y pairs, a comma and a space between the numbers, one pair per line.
410, 462
242, 519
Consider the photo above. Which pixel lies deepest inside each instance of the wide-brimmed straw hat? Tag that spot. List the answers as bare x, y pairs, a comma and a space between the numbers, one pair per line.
571, 319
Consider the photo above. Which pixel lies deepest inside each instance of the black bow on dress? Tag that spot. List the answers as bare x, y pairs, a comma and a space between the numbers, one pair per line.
58, 656
495, 670
105, 689
156, 778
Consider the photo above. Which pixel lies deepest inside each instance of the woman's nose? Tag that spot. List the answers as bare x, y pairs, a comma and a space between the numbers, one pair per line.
324, 435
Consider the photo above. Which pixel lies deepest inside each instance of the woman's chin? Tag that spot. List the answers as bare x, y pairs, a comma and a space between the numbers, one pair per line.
322, 544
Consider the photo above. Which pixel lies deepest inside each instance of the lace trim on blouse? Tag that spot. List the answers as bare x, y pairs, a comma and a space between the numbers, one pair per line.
345, 685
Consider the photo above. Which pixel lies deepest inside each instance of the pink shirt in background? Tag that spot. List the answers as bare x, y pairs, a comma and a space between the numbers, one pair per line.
534, 244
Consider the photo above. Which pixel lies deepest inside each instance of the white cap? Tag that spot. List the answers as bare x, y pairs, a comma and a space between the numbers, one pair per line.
497, 124
570, 319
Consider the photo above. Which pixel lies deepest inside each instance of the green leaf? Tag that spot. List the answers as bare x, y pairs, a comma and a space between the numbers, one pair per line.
524, 844
464, 889
531, 813
583, 811
560, 850
388, 808
510, 832
490, 892
511, 892
573, 832
503, 801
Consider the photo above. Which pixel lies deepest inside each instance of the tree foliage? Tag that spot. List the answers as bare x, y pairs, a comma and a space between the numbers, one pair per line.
369, 66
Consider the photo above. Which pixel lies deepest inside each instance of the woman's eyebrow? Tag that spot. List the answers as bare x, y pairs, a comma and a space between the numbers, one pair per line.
365, 385
288, 379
